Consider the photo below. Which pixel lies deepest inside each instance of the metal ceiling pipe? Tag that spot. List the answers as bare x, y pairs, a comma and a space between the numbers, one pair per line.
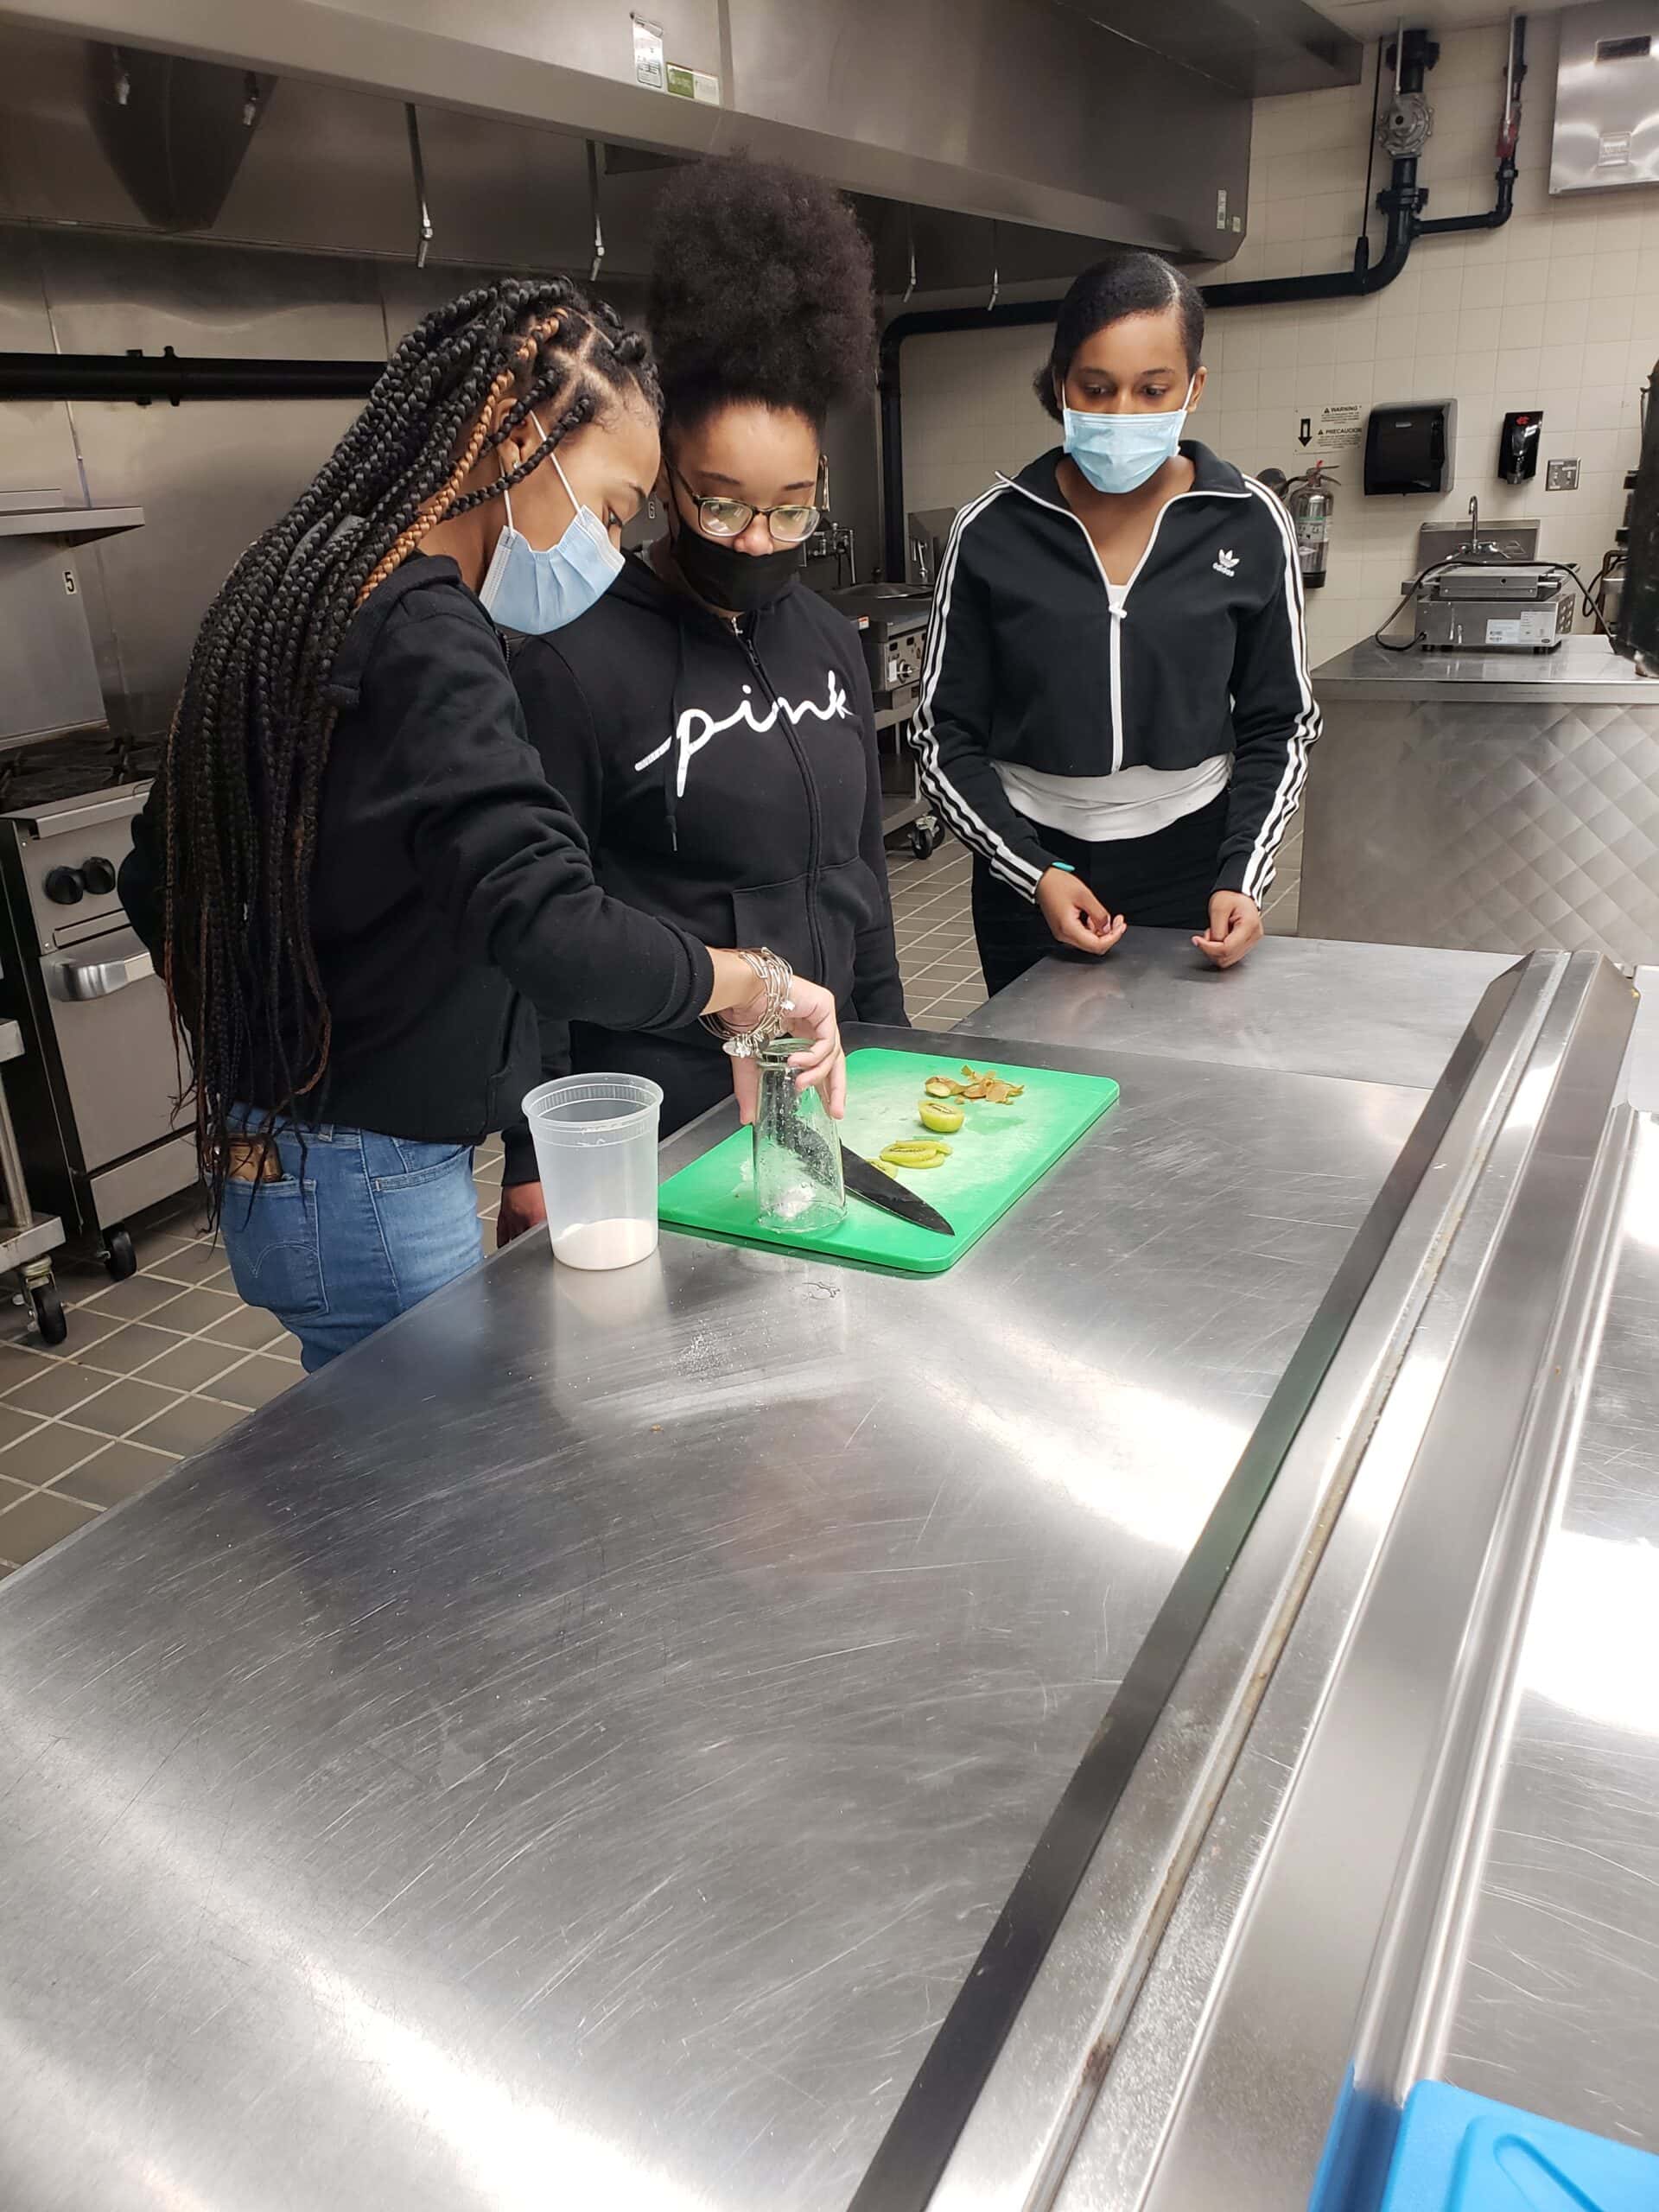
175, 378
917, 323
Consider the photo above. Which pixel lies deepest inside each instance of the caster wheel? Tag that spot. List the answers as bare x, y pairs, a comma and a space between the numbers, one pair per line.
118, 1255
48, 1314
925, 838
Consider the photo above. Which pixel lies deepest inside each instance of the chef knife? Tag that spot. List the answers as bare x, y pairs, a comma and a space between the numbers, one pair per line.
867, 1182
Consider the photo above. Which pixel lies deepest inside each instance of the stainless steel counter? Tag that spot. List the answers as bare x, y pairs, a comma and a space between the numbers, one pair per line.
1501, 805
602, 1740
1371, 1013
592, 1729
1585, 671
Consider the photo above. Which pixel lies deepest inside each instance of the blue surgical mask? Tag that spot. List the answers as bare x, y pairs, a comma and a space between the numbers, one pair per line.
1119, 452
528, 590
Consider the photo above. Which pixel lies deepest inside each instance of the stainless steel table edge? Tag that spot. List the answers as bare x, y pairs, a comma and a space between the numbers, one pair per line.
1329, 1880
1546, 2001
1472, 690
1038, 2096
1051, 1987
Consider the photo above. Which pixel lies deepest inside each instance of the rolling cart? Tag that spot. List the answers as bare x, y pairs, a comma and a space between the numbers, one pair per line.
26, 1237
892, 623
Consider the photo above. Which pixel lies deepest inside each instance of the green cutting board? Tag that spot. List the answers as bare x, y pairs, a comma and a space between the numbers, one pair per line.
995, 1157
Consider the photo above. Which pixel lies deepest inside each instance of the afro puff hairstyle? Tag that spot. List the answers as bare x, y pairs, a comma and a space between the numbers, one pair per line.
761, 288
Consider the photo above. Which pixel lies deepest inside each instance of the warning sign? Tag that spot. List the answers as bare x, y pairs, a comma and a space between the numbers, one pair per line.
1332, 434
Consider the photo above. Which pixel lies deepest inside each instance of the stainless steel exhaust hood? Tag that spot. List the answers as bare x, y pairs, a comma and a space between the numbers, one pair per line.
1085, 118
174, 130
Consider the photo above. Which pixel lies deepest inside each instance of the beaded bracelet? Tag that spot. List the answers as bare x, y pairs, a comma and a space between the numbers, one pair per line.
775, 977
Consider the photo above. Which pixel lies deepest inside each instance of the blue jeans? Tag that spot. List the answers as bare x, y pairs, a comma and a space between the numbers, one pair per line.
356, 1230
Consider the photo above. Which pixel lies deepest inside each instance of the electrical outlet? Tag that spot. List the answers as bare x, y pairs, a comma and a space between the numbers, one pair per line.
1562, 476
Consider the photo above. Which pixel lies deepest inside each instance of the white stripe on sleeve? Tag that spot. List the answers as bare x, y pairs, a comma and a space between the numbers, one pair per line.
959, 816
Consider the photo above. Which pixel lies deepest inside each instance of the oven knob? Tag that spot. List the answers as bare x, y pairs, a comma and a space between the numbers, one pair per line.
99, 876
64, 886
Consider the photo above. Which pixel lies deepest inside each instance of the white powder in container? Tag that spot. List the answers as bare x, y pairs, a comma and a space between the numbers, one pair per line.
616, 1243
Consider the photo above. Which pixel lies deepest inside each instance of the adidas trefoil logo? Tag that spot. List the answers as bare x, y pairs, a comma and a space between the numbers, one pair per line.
1226, 563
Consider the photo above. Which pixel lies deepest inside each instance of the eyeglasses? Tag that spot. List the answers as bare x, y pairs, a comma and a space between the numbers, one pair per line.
720, 518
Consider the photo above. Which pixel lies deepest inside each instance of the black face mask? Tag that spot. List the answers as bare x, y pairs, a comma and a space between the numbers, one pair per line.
727, 578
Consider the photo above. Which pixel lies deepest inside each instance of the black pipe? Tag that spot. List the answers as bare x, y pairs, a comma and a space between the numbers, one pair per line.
1400, 201
1489, 218
170, 377
1495, 217
917, 324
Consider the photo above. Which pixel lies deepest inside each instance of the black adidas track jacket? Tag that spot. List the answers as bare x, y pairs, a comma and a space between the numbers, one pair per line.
1027, 662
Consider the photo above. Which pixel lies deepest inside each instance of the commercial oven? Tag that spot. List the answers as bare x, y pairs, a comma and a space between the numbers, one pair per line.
95, 1097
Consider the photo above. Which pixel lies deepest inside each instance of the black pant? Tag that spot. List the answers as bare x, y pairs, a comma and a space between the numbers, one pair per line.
1163, 881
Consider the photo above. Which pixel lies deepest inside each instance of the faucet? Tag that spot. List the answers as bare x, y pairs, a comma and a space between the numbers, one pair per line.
1490, 551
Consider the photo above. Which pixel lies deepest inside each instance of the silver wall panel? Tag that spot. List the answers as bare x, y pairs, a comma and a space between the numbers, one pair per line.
52, 167
593, 36
1022, 99
1606, 134
37, 451
512, 197
1016, 109
327, 170
37, 443
108, 295
208, 477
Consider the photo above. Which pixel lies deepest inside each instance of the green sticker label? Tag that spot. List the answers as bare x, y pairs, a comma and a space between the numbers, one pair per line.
693, 84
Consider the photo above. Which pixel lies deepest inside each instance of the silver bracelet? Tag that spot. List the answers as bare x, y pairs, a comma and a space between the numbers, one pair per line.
775, 977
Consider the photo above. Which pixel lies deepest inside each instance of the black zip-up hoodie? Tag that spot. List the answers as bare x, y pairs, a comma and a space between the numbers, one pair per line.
727, 778
1027, 662
452, 892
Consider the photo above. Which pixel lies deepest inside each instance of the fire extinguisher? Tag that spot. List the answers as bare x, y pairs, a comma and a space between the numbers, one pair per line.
1311, 500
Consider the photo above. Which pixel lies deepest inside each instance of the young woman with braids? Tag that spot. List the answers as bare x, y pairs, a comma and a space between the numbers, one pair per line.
355, 876
710, 724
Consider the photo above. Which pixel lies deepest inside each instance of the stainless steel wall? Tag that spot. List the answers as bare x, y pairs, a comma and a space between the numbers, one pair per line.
312, 256
1017, 109
327, 171
209, 477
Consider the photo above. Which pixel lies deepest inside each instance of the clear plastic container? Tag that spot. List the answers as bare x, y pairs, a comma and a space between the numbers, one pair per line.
798, 1179
595, 1139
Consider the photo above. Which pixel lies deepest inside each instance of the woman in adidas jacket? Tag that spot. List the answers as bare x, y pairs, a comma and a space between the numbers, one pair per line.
1115, 710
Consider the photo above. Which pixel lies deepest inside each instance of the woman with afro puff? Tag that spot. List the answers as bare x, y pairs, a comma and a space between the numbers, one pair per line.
709, 723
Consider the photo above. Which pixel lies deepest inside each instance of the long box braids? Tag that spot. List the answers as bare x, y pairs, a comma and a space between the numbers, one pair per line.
250, 737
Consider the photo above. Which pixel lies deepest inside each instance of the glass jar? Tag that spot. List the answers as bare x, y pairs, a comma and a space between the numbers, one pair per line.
798, 1183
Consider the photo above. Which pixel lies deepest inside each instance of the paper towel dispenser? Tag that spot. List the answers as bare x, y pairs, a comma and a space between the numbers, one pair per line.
1409, 448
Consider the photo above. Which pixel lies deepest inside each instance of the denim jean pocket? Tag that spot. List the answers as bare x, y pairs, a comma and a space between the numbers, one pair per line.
412, 1164
270, 1238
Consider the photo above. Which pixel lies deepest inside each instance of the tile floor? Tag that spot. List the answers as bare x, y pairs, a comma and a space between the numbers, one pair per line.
157, 1367
935, 936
